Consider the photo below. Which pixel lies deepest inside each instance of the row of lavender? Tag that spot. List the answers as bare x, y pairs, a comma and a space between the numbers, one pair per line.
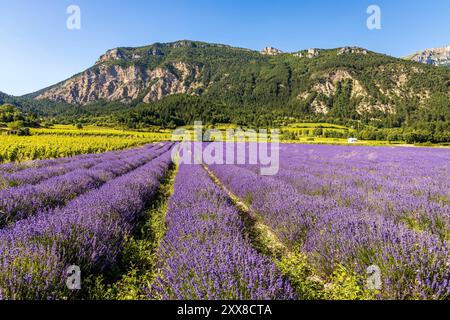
19, 202
39, 172
205, 253
12, 167
409, 186
87, 231
16, 174
356, 207
15, 167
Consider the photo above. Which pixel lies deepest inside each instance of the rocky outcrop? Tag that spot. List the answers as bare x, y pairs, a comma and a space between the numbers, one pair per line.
165, 83
312, 53
112, 55
125, 83
351, 50
271, 51
327, 85
435, 56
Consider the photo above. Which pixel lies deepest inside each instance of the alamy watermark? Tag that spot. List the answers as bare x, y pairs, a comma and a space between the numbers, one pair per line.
73, 22
374, 20
73, 280
232, 146
373, 277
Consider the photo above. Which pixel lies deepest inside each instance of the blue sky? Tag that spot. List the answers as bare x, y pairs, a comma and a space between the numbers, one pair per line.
38, 50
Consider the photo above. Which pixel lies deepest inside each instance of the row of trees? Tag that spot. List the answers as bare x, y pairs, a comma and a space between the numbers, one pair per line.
408, 135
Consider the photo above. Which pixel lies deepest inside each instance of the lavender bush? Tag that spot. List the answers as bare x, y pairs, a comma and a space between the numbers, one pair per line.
89, 232
24, 201
205, 254
355, 207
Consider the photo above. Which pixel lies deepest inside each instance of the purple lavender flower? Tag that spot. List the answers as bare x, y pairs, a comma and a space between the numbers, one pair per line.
205, 254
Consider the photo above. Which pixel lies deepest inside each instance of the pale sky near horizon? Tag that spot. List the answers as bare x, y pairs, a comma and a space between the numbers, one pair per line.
39, 50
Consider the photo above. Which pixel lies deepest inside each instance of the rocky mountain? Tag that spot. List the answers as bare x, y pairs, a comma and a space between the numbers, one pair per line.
344, 82
435, 56
124, 83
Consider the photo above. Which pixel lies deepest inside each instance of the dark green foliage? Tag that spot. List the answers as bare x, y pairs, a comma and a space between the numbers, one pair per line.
16, 119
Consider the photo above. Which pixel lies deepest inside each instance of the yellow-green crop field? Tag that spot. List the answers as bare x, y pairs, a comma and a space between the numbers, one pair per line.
65, 141
69, 130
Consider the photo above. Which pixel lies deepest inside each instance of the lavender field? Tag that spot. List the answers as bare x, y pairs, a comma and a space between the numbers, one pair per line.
349, 208
312, 231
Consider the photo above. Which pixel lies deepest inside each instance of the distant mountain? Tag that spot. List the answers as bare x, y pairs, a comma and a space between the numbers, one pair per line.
345, 82
435, 56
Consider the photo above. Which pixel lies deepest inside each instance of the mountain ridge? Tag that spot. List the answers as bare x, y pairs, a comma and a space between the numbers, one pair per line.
111, 54
150, 73
175, 84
